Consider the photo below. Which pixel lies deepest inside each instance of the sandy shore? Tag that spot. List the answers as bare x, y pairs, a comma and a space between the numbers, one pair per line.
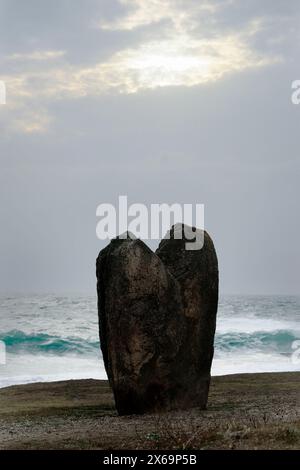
249, 411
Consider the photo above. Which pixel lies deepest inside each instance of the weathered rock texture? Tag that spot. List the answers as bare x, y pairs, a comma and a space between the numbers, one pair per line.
157, 316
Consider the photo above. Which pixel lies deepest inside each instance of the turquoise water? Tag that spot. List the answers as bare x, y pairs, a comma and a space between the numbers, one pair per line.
18, 342
56, 337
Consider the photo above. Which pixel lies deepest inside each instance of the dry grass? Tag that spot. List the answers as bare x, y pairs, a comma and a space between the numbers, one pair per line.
254, 411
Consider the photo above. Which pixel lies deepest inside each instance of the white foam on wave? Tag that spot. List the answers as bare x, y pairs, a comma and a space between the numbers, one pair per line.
253, 324
52, 369
49, 369
252, 363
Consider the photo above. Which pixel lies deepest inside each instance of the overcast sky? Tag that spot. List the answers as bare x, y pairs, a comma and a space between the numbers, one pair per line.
183, 101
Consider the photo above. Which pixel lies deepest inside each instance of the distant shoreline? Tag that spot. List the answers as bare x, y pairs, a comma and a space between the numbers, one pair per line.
103, 378
246, 411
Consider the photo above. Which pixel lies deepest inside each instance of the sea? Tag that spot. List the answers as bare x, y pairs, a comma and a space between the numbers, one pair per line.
55, 337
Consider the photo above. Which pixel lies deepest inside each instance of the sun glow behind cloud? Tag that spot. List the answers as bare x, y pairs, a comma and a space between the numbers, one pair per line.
171, 62
178, 62
178, 54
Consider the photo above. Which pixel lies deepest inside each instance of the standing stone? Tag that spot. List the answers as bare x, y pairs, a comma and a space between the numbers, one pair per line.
157, 314
197, 274
141, 326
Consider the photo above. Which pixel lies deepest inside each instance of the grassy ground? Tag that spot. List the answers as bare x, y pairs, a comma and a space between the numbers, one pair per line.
249, 411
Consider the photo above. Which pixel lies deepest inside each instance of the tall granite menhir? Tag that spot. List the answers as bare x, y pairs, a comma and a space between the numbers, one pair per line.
157, 319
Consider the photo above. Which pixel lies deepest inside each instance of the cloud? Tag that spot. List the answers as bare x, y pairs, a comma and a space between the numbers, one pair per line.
175, 61
36, 122
37, 55
187, 48
143, 13
232, 145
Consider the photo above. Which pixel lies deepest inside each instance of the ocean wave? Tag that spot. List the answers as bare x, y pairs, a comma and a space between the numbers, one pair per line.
279, 341
17, 341
253, 324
